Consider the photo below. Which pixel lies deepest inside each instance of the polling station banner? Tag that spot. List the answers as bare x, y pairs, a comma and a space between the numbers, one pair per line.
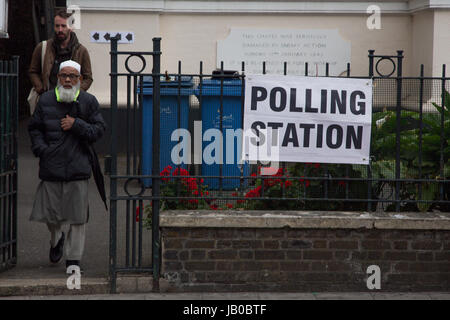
307, 119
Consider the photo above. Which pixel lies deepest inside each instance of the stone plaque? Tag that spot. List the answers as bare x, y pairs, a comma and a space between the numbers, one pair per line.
294, 46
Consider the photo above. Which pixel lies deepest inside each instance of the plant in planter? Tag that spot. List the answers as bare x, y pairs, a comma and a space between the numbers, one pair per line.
411, 165
183, 187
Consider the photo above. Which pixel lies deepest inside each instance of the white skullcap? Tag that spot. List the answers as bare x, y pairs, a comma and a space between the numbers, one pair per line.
71, 64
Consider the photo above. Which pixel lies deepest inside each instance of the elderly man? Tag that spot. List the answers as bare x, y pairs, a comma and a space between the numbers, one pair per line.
64, 125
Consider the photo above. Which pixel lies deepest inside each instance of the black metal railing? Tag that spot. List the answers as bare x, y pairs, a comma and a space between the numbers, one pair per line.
408, 171
9, 69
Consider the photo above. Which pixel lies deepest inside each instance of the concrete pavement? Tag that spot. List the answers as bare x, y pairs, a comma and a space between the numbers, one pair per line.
250, 296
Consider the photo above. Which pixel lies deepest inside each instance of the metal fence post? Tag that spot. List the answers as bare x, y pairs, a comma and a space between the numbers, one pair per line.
156, 192
113, 179
398, 131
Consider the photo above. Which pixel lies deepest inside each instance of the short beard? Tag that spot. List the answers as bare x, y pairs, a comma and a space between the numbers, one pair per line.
68, 95
58, 40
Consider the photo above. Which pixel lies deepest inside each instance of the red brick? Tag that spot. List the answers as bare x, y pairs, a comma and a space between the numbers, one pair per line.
224, 234
374, 255
295, 266
296, 244
175, 233
270, 234
401, 267
342, 255
226, 277
246, 266
439, 256
246, 254
172, 266
319, 277
173, 244
199, 244
398, 256
343, 233
317, 255
269, 255
320, 244
376, 245
200, 233
426, 245
294, 255
423, 267
198, 255
400, 245
247, 234
406, 278
247, 244
224, 265
348, 245
373, 234
255, 265
170, 255
359, 255
183, 255
319, 233
200, 266
223, 244
271, 244
447, 245
295, 234
222, 254
425, 256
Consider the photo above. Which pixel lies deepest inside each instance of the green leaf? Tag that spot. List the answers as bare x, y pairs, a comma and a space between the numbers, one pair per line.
429, 192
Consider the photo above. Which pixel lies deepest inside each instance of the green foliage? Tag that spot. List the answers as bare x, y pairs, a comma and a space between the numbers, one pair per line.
434, 138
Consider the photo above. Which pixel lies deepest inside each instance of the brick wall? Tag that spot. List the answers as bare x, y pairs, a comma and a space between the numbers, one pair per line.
265, 259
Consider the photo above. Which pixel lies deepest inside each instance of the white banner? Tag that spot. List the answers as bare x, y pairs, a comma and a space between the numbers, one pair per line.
307, 119
3, 18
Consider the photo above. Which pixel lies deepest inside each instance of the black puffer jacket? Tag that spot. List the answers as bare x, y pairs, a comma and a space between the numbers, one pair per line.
64, 155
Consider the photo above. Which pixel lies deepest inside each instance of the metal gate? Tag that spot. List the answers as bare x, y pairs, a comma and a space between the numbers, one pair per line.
408, 170
129, 234
9, 69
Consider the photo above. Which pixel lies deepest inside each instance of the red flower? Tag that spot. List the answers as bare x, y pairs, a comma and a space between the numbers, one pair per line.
306, 182
229, 205
214, 207
254, 193
288, 183
342, 183
138, 210
180, 172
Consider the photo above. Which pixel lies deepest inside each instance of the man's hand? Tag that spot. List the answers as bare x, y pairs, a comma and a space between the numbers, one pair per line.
67, 123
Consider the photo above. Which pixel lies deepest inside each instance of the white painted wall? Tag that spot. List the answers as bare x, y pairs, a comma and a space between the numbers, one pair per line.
441, 42
422, 42
190, 31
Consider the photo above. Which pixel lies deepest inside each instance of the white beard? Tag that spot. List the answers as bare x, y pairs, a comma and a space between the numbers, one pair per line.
68, 95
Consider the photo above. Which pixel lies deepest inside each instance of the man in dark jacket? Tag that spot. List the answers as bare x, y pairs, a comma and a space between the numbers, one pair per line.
66, 121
